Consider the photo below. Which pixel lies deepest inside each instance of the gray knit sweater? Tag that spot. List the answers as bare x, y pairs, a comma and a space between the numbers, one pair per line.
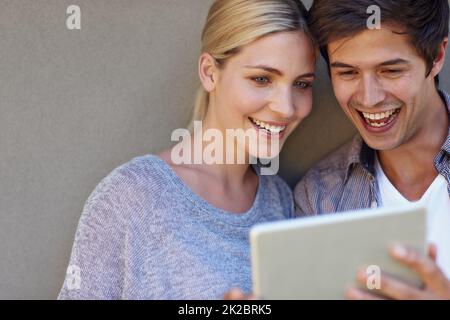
144, 234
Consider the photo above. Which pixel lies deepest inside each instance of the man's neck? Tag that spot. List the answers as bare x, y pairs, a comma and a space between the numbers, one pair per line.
410, 167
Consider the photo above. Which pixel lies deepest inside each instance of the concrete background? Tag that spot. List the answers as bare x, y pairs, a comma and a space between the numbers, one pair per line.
76, 104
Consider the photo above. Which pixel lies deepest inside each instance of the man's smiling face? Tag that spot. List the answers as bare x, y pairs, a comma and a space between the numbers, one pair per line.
380, 81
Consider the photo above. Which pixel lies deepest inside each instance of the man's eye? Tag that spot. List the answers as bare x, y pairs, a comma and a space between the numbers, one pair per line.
347, 73
261, 80
393, 71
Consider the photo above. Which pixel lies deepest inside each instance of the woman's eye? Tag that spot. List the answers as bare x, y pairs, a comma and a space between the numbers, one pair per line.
261, 80
302, 85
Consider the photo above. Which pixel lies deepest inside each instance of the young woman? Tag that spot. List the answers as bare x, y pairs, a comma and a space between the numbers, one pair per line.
156, 228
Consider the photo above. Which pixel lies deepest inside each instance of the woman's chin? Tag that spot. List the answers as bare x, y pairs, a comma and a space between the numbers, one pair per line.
265, 152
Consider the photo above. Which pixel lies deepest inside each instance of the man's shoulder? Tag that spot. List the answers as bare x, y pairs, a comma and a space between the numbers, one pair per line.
335, 164
321, 187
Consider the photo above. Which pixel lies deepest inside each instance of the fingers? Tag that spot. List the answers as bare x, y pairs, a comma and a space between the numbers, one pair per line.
393, 288
357, 294
425, 267
235, 294
432, 252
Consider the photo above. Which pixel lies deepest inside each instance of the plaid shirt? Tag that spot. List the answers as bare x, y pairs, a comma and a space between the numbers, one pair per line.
345, 180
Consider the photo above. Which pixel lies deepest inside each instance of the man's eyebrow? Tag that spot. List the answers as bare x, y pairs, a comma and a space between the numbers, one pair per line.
340, 65
278, 72
392, 62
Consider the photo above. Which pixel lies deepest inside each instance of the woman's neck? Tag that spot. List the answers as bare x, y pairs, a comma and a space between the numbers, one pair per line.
232, 173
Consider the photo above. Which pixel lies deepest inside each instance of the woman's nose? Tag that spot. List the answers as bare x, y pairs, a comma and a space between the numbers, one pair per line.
283, 104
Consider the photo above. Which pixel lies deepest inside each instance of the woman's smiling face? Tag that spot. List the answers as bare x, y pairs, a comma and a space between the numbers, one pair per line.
265, 88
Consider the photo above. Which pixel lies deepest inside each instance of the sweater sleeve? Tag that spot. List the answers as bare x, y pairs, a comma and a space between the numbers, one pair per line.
96, 268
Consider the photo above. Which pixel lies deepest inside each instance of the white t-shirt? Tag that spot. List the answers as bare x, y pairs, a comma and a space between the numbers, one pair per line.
437, 200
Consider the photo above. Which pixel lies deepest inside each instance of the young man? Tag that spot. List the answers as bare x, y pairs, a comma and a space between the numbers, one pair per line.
386, 82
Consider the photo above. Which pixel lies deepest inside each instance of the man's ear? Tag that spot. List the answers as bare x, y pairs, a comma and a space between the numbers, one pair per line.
440, 58
207, 71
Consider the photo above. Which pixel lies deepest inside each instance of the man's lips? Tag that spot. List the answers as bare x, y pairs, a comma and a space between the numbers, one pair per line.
379, 122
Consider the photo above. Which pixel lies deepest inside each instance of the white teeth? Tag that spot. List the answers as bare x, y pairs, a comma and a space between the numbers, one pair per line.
268, 127
386, 117
379, 116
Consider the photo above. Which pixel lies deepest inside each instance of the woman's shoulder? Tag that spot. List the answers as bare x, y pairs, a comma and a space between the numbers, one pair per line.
277, 182
132, 185
278, 193
123, 203
138, 170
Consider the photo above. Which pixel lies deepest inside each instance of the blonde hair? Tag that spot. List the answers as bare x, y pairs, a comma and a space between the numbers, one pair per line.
232, 24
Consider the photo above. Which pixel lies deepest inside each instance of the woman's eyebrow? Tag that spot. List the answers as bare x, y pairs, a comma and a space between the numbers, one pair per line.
266, 68
278, 72
307, 75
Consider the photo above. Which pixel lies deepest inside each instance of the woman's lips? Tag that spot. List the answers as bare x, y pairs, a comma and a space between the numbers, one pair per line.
269, 129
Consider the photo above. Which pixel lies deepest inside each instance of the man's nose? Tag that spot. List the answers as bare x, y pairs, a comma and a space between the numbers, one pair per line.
370, 92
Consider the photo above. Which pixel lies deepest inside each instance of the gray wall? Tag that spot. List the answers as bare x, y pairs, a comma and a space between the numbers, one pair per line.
76, 104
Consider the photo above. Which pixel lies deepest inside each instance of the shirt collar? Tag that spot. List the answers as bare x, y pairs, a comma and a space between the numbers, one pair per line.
446, 97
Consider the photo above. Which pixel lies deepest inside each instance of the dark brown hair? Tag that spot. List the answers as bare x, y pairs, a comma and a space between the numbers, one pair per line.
426, 22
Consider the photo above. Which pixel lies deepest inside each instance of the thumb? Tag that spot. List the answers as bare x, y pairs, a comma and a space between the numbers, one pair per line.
432, 251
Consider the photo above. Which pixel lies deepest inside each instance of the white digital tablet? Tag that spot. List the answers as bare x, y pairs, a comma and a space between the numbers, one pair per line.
318, 257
